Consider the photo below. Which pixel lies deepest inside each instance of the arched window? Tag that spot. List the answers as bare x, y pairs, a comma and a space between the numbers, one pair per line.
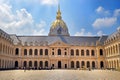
30, 63
72, 64
77, 52
16, 51
46, 63
16, 64
59, 31
65, 53
77, 64
93, 64
101, 52
72, 52
92, 52
101, 64
25, 52
35, 52
41, 51
35, 64
83, 64
30, 52
88, 64
25, 64
87, 53
46, 51
59, 51
41, 64
82, 52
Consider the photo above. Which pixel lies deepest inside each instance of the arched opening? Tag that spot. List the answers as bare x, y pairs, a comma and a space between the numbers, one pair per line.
72, 64
59, 31
25, 52
25, 64
77, 52
16, 64
30, 63
46, 63
41, 51
30, 52
101, 52
93, 64
59, 64
16, 51
72, 52
82, 52
41, 64
46, 51
77, 64
83, 64
59, 51
88, 64
36, 52
93, 53
35, 64
101, 64
87, 52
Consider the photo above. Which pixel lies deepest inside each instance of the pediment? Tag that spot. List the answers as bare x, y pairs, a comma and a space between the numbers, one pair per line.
59, 43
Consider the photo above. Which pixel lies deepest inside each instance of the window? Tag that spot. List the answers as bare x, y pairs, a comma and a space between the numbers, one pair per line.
87, 52
52, 53
92, 53
72, 64
46, 51
101, 52
77, 52
46, 63
59, 51
41, 52
16, 51
72, 52
25, 52
36, 52
30, 52
65, 53
59, 31
82, 52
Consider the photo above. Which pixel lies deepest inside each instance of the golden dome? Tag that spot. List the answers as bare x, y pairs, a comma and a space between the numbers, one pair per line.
58, 21
58, 27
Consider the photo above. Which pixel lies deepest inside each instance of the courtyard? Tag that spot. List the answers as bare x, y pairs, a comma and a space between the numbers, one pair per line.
59, 75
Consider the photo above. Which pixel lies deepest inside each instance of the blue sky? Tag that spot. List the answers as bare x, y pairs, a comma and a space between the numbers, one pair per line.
83, 17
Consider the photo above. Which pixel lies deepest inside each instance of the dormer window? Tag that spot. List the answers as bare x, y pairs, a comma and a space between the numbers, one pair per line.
59, 31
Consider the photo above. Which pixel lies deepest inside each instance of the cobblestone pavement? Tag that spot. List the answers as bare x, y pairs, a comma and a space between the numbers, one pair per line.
59, 75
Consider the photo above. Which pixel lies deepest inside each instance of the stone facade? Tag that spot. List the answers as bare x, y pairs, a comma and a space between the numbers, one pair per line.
59, 50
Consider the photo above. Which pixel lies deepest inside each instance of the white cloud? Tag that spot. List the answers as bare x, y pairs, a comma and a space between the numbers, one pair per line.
104, 22
102, 11
19, 22
117, 12
49, 2
99, 33
83, 33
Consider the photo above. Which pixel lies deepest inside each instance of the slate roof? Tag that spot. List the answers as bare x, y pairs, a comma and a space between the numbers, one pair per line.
114, 34
5, 35
47, 40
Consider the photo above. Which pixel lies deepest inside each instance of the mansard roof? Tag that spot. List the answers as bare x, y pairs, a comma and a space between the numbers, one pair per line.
47, 40
5, 35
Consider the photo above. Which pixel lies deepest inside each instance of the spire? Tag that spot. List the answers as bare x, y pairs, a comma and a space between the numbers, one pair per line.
58, 13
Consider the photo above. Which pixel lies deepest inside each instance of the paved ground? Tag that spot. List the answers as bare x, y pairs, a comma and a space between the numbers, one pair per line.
59, 75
